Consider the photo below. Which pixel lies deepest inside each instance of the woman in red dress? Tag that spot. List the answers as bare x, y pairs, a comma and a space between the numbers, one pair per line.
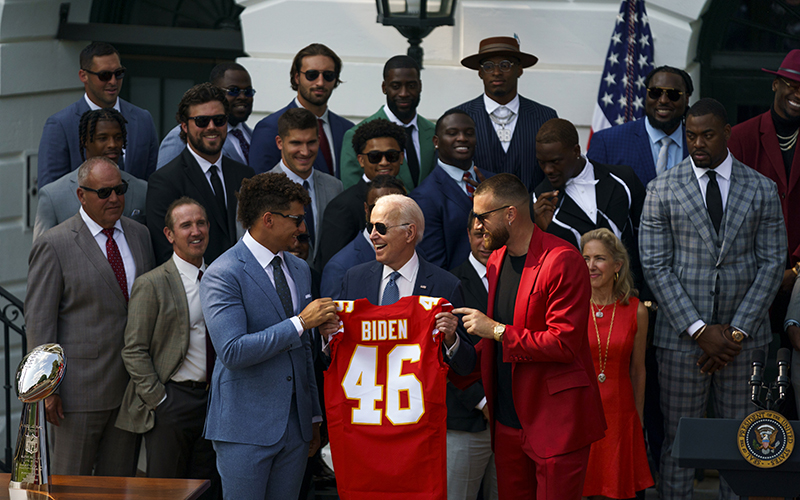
618, 465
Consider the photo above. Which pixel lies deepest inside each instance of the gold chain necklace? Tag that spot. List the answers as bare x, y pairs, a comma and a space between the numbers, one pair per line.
788, 142
603, 360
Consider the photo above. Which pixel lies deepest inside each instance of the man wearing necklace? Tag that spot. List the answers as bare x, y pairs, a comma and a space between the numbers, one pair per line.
768, 143
712, 244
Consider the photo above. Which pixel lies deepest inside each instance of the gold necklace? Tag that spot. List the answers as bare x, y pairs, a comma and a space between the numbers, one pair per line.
603, 360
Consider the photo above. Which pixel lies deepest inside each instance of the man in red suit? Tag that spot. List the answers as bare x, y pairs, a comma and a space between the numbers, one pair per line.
535, 362
768, 143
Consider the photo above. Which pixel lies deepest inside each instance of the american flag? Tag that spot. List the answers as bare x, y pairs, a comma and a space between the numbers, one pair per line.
628, 61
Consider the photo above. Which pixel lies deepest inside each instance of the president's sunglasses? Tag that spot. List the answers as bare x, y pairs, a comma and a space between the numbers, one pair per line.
105, 76
105, 192
382, 228
672, 94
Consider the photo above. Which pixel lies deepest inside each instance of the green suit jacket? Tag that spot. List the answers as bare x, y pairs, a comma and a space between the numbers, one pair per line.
351, 171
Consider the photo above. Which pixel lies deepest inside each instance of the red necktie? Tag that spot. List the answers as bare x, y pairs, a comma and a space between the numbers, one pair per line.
470, 188
325, 147
211, 355
115, 259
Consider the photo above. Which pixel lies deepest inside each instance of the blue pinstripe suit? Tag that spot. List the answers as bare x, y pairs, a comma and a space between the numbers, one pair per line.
520, 159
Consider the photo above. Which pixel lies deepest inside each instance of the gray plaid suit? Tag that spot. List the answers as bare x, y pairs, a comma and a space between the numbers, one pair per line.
695, 274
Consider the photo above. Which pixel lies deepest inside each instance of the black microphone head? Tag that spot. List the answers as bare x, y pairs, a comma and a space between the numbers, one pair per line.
759, 357
784, 356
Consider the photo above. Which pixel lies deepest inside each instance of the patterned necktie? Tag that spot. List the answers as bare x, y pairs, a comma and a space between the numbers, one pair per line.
470, 188
242, 143
663, 155
282, 287
391, 293
309, 214
411, 155
211, 355
115, 259
714, 200
324, 147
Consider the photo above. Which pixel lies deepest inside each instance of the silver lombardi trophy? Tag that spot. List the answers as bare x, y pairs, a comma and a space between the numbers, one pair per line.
38, 376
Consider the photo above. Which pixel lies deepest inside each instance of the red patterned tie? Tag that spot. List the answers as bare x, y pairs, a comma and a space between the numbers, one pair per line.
211, 355
115, 259
324, 147
470, 188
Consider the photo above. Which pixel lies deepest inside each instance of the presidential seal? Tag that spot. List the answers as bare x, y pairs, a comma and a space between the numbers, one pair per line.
765, 439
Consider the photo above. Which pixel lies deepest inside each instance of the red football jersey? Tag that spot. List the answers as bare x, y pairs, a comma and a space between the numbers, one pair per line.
385, 397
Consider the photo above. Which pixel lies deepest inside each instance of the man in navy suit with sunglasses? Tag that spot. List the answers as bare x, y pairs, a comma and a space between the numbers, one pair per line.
314, 74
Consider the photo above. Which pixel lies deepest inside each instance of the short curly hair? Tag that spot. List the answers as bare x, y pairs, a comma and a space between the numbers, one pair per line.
88, 125
378, 127
265, 193
200, 94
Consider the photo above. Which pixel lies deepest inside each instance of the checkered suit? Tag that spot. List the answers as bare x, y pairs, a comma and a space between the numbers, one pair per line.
695, 274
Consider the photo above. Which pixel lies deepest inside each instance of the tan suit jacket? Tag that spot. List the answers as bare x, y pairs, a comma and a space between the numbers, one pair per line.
156, 341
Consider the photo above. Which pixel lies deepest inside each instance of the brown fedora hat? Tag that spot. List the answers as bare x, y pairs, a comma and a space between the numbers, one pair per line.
499, 46
790, 67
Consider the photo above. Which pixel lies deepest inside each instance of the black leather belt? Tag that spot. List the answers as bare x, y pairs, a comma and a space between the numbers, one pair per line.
191, 384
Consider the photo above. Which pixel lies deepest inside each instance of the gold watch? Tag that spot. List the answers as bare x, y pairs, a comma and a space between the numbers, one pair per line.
737, 336
499, 331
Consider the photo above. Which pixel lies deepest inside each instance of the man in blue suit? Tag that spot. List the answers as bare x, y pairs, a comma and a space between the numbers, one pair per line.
445, 196
257, 305
314, 74
234, 79
658, 143
101, 73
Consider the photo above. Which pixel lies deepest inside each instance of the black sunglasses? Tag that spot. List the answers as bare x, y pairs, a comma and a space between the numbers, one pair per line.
392, 155
203, 120
234, 91
298, 219
382, 228
482, 217
105, 192
312, 75
672, 94
105, 76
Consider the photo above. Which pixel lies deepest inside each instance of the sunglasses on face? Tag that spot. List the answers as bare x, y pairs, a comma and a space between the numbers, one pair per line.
794, 86
105, 76
655, 93
298, 219
392, 155
482, 217
105, 192
312, 75
203, 120
382, 228
235, 91
505, 66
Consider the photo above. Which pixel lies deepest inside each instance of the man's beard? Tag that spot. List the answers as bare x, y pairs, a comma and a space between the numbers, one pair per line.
403, 116
496, 239
665, 126
313, 99
201, 147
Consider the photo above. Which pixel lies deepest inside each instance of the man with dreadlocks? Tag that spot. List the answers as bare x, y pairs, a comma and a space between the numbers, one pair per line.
101, 133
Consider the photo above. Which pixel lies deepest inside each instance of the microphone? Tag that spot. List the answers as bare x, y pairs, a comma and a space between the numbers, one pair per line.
756, 379
783, 380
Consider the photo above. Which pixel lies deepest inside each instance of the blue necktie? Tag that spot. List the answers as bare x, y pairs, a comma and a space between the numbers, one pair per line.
391, 293
282, 287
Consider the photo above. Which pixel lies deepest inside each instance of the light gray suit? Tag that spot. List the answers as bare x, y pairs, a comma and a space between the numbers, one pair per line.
695, 274
172, 146
74, 299
326, 188
58, 201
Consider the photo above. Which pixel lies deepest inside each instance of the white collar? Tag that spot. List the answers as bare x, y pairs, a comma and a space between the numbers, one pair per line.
454, 172
656, 135
296, 178
186, 268
205, 165
94, 227
408, 270
723, 169
491, 104
95, 107
585, 177
324, 116
476, 264
392, 118
262, 254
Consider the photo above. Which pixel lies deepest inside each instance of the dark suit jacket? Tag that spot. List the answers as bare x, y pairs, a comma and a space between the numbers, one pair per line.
183, 177
755, 144
60, 151
446, 208
628, 144
343, 219
520, 159
363, 281
264, 152
358, 251
461, 412
620, 197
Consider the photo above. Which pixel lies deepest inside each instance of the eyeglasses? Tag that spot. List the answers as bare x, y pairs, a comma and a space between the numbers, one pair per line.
105, 76
482, 217
392, 155
203, 120
794, 86
298, 219
672, 94
234, 91
312, 75
382, 228
105, 192
505, 66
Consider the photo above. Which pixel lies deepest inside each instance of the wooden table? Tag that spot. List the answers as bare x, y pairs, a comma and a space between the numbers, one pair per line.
114, 488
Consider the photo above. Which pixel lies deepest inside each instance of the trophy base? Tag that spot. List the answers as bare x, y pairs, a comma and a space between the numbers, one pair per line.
15, 485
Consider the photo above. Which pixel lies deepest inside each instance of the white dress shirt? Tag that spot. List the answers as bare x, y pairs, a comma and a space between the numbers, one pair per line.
96, 231
413, 123
405, 283
581, 189
193, 367
491, 105
457, 174
480, 269
723, 171
326, 127
205, 166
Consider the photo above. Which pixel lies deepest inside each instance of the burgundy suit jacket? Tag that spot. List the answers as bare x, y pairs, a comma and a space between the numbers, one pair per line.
755, 144
553, 380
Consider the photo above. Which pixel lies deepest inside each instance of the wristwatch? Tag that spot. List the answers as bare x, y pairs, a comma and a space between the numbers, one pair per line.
737, 336
499, 331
